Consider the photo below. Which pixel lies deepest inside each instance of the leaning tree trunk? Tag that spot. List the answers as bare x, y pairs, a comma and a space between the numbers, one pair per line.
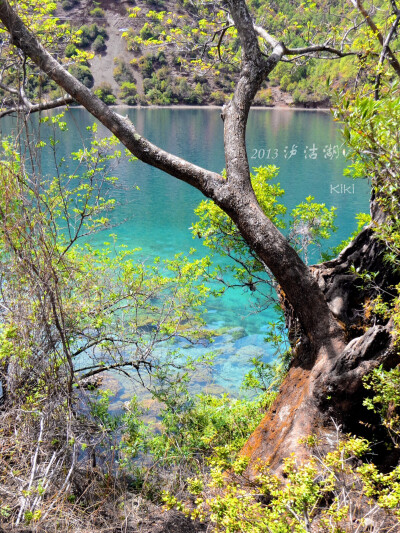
321, 391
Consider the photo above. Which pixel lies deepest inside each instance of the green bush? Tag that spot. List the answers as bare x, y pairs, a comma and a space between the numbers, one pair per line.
149, 63
97, 30
122, 72
128, 93
285, 81
104, 92
145, 64
97, 12
317, 494
70, 50
83, 74
205, 423
161, 60
263, 97
69, 4
146, 32
155, 3
141, 100
135, 63
99, 44
85, 40
156, 97
90, 33
218, 97
131, 40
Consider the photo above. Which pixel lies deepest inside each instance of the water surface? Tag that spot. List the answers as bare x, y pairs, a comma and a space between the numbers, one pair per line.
305, 145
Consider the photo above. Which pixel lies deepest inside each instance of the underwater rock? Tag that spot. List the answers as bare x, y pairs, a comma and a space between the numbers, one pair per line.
109, 382
234, 333
246, 353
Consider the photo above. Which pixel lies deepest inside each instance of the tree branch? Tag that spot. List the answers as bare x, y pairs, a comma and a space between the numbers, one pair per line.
391, 57
207, 182
97, 369
43, 106
383, 54
305, 50
9, 89
318, 48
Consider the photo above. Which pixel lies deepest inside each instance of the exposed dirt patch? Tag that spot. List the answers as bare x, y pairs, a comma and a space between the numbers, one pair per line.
102, 65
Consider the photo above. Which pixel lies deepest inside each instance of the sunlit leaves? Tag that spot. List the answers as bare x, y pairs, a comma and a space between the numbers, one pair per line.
311, 223
320, 494
115, 310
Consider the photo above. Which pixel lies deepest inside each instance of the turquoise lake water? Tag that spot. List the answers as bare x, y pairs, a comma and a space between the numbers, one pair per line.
305, 145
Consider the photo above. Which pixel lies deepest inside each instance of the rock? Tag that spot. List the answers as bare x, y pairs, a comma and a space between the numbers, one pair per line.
202, 376
215, 390
93, 382
109, 382
255, 340
235, 333
226, 350
127, 396
116, 408
246, 353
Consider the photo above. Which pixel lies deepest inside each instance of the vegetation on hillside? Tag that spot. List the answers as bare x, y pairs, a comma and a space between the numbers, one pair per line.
169, 52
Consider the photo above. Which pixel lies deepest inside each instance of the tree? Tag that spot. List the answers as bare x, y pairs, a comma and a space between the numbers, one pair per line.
320, 306
59, 299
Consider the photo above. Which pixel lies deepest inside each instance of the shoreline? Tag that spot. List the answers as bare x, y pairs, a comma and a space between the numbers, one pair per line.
213, 107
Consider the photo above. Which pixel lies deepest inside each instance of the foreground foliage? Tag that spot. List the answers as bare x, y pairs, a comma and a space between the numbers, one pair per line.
335, 491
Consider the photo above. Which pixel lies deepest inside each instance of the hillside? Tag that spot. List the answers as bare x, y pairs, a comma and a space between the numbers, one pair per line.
128, 68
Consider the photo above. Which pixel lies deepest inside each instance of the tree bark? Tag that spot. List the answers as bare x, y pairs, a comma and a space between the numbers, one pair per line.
317, 394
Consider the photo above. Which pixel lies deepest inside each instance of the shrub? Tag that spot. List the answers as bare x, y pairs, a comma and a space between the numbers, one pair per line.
155, 3
70, 50
85, 40
285, 80
145, 64
141, 100
99, 45
263, 97
88, 34
97, 30
160, 58
97, 12
104, 92
300, 97
122, 72
128, 93
69, 4
156, 97
199, 94
83, 74
328, 493
131, 40
146, 32
218, 97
